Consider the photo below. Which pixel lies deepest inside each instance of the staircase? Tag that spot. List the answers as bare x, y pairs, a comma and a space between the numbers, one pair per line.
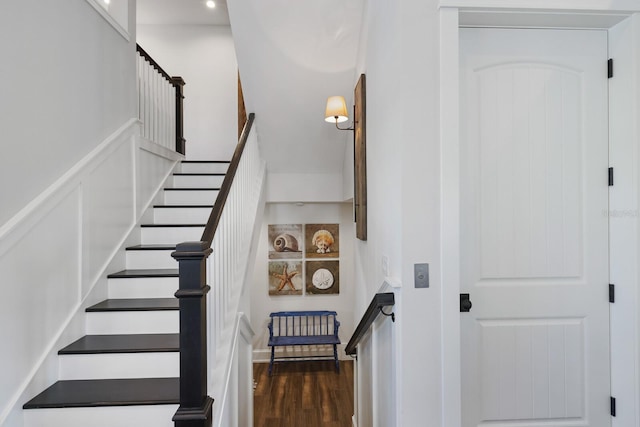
125, 371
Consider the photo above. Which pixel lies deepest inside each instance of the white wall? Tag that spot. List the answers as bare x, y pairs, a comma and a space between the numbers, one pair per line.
304, 187
262, 304
403, 217
204, 56
69, 82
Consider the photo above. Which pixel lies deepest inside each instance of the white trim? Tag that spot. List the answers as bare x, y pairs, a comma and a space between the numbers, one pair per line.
158, 149
450, 214
107, 16
623, 219
390, 283
551, 6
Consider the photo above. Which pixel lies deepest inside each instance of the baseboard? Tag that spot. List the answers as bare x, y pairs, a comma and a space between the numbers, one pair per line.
354, 423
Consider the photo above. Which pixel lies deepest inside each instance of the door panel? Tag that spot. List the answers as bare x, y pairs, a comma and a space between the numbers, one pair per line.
534, 229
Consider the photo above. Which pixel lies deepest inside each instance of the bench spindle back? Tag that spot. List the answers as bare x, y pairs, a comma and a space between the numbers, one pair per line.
303, 323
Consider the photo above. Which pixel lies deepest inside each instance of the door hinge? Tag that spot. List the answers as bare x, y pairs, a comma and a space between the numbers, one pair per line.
613, 406
610, 176
612, 293
610, 68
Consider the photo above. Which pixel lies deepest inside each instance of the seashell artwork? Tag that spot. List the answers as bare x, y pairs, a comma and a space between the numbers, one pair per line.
323, 277
285, 278
285, 242
323, 240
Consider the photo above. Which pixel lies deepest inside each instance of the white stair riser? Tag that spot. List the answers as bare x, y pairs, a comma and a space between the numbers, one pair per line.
144, 287
204, 167
150, 259
190, 197
170, 235
133, 322
181, 215
108, 416
197, 181
119, 365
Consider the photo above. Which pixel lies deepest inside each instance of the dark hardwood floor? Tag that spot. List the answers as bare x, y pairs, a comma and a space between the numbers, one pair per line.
303, 394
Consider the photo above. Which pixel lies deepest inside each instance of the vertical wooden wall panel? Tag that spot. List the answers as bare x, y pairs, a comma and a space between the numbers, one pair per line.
360, 158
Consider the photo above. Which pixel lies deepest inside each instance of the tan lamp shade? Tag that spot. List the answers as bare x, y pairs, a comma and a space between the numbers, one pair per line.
336, 111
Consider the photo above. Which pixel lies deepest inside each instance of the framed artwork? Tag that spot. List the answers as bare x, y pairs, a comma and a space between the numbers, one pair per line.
285, 241
323, 277
322, 240
360, 158
285, 278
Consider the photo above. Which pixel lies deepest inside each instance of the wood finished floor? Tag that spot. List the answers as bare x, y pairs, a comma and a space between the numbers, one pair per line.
303, 394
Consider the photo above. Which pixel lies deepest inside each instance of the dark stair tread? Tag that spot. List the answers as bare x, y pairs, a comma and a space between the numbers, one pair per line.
112, 392
141, 343
152, 247
192, 189
135, 304
181, 206
205, 161
171, 225
199, 174
155, 272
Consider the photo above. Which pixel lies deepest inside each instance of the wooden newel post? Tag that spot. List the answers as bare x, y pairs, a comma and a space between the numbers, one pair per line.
179, 83
195, 404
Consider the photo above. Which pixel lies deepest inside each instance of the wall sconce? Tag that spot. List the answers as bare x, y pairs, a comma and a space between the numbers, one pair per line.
336, 112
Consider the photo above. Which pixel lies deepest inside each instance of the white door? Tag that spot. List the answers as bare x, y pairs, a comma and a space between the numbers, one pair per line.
534, 228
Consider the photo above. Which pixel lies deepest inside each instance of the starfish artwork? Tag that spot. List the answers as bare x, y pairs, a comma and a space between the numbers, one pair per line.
285, 279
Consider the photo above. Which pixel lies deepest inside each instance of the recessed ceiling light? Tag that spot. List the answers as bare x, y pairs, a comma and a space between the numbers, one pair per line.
210, 4
107, 1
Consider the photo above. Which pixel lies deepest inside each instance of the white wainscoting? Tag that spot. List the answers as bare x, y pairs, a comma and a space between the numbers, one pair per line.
55, 253
377, 370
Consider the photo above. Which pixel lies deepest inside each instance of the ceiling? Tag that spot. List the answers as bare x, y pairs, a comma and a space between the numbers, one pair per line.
292, 55
181, 12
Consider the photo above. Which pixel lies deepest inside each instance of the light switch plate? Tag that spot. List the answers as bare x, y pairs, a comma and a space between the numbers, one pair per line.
421, 275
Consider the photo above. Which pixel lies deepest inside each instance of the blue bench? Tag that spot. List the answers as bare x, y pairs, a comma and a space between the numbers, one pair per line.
290, 328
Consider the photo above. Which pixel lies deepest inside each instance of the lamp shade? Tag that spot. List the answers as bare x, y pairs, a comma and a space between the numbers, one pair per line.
336, 111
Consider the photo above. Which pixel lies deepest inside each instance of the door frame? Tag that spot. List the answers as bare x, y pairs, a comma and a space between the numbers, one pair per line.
624, 105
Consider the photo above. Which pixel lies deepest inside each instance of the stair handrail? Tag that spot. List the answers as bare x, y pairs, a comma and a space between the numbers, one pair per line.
196, 406
151, 91
216, 213
379, 301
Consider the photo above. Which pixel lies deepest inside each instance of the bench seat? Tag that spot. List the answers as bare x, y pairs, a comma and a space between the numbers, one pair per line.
293, 328
304, 340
